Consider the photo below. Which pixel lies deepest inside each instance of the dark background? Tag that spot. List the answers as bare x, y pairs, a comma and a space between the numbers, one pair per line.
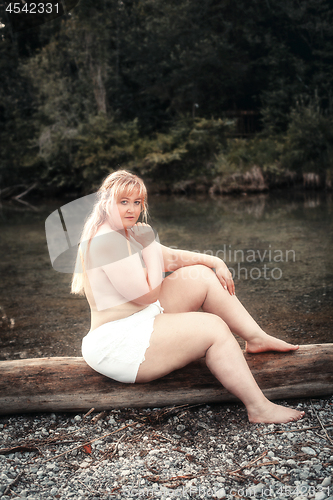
172, 90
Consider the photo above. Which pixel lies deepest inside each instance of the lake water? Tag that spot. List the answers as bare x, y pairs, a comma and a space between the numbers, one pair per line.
279, 247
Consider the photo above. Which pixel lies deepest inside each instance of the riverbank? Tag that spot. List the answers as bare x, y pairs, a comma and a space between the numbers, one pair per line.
208, 451
253, 180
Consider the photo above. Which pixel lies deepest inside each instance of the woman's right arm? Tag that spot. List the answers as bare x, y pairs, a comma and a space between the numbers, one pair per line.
176, 258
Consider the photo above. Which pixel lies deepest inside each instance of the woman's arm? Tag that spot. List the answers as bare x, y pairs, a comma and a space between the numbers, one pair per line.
153, 258
175, 258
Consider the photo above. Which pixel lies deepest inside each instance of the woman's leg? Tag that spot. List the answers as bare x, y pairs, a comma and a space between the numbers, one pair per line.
192, 287
178, 339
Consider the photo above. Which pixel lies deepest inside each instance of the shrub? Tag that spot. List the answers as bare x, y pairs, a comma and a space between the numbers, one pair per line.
308, 143
188, 149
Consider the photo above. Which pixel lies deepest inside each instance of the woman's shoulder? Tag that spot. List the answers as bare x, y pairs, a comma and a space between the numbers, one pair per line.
107, 246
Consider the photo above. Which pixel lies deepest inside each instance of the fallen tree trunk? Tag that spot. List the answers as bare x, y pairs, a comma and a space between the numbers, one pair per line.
68, 384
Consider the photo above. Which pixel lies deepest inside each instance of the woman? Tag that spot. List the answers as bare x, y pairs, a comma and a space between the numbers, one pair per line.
144, 326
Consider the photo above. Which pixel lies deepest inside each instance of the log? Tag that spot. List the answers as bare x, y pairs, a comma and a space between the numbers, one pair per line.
69, 384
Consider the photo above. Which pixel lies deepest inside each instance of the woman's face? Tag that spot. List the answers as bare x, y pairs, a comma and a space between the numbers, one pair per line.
126, 210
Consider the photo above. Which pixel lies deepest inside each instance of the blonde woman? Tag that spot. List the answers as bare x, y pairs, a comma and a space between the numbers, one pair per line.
144, 326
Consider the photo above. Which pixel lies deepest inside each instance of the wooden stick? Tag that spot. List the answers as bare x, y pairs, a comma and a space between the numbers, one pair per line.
321, 424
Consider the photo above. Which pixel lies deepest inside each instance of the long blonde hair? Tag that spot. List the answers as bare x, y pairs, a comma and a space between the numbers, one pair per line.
117, 184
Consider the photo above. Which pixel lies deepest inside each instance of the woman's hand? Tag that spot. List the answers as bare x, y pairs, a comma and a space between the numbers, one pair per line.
225, 277
142, 233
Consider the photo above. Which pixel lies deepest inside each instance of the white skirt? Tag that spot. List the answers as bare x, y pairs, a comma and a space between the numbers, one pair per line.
116, 349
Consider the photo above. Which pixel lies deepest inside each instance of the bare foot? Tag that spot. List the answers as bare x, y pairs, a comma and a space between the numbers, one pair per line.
270, 413
268, 343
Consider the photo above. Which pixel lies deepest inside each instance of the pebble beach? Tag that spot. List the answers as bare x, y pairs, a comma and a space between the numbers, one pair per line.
183, 452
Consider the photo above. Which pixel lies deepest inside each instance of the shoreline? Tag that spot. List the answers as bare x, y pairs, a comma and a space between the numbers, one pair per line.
199, 451
252, 181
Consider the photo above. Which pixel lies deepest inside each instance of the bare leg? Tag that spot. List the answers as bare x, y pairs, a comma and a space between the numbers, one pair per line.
192, 287
178, 339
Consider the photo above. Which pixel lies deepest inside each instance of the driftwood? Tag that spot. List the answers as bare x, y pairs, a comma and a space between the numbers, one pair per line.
68, 384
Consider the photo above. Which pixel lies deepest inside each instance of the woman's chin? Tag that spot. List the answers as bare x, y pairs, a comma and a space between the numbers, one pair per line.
129, 223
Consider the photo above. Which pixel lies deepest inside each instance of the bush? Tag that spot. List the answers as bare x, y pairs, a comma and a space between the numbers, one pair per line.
189, 149
241, 154
79, 158
308, 143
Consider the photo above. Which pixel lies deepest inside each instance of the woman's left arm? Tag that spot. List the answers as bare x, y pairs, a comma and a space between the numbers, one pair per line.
174, 259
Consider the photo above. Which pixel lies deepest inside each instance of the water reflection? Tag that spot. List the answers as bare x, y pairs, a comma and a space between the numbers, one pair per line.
291, 298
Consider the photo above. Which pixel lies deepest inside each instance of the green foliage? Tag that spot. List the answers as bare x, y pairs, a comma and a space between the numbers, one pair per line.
187, 150
79, 158
103, 145
298, 41
16, 151
118, 84
309, 139
241, 154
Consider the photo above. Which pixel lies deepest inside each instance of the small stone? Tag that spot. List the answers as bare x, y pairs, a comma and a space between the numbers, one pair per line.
77, 418
320, 495
257, 489
53, 491
327, 481
203, 425
154, 452
180, 428
220, 493
308, 450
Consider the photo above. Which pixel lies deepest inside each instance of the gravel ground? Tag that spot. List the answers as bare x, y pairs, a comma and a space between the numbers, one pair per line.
183, 452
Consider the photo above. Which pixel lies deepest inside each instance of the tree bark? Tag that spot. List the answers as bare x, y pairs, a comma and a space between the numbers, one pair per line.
69, 384
97, 70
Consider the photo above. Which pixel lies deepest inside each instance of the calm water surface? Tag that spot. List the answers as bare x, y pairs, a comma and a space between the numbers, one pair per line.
279, 247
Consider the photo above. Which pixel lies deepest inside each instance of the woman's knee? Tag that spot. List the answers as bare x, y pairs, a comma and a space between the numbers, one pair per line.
197, 272
215, 328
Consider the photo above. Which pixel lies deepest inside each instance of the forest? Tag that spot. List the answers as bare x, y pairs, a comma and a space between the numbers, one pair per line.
210, 95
